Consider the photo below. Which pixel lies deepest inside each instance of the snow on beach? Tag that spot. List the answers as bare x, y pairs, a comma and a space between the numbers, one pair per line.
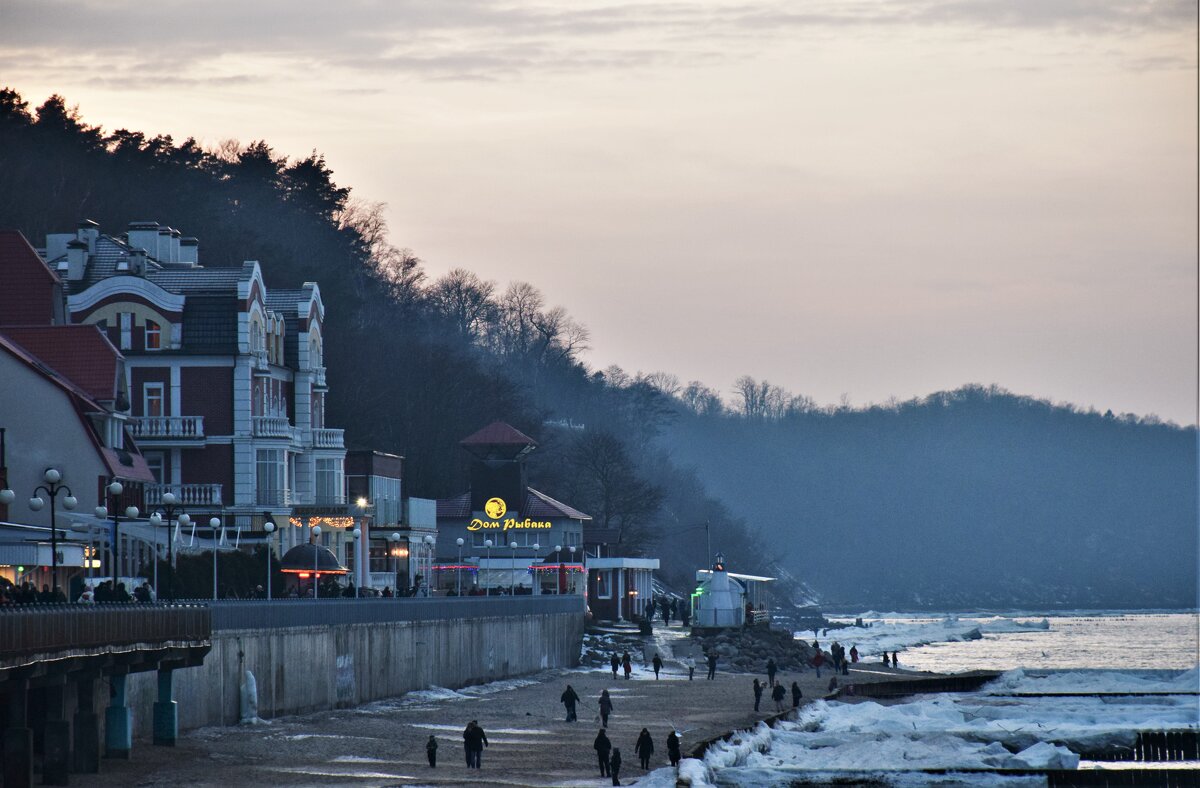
887, 634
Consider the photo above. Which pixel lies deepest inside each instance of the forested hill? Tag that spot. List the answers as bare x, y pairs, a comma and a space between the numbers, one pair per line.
974, 497
970, 498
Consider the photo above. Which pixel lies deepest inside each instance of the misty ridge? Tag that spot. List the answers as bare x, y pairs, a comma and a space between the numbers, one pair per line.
970, 498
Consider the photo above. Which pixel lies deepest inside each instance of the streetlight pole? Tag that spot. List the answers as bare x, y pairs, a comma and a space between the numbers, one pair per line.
113, 490
215, 524
357, 534
316, 532
52, 488
268, 528
488, 544
535, 582
512, 570
558, 574
429, 546
458, 568
170, 505
571, 550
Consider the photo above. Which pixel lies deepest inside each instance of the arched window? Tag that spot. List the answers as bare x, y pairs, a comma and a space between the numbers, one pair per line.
153, 335
314, 353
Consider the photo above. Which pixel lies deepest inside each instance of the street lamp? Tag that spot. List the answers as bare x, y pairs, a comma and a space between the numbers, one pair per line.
269, 528
215, 524
114, 490
316, 532
52, 488
429, 543
357, 534
394, 538
558, 584
535, 582
512, 570
571, 550
170, 505
488, 544
458, 570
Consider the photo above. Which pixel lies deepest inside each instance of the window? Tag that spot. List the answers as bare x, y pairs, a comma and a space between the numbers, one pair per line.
329, 481
271, 477
604, 584
154, 460
152, 400
153, 335
125, 320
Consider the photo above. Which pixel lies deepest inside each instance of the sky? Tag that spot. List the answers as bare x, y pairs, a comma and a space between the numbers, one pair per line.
847, 198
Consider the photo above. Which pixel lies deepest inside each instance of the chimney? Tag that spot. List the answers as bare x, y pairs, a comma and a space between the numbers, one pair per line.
144, 235
164, 245
189, 251
137, 262
77, 257
88, 231
175, 245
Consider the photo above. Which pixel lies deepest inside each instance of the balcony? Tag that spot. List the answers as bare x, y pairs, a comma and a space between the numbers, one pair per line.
167, 428
272, 427
188, 494
325, 438
275, 498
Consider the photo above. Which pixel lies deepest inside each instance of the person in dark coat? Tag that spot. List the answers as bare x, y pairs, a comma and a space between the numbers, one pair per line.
616, 664
886, 662
712, 664
468, 741
777, 695
603, 747
666, 613
657, 662
627, 664
772, 668
614, 765
673, 748
817, 661
644, 748
606, 707
796, 695
895, 660
569, 698
833, 685
854, 653
431, 751
758, 691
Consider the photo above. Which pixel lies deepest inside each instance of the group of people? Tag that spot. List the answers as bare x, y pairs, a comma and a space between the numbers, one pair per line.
609, 757
778, 692
669, 608
27, 594
622, 662
104, 592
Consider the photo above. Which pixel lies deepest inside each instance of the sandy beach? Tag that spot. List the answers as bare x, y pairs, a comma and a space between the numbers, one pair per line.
530, 743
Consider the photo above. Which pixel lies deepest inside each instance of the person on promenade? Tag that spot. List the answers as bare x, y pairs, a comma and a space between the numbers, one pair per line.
480, 742
616, 664
650, 608
644, 748
712, 665
772, 668
818, 660
895, 660
468, 753
569, 698
690, 664
758, 691
627, 664
431, 751
796, 695
854, 653
673, 748
666, 613
606, 707
777, 695
614, 765
657, 662
886, 662
603, 747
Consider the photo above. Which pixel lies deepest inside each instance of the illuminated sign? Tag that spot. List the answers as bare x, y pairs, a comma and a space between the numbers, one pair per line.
507, 525
495, 508
323, 521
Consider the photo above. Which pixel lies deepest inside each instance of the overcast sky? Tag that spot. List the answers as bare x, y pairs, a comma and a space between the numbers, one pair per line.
871, 198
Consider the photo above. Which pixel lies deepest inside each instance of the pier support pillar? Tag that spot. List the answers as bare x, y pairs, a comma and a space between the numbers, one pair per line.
166, 711
18, 738
86, 729
56, 754
118, 722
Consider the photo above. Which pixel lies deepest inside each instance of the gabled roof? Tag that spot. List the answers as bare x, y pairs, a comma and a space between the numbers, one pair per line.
29, 292
537, 505
498, 433
80, 353
458, 507
16, 250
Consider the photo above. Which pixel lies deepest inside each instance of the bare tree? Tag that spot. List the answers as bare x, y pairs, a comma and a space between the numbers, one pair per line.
465, 300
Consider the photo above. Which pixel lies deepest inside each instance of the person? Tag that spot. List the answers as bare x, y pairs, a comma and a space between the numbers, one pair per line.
886, 663
690, 664
468, 742
758, 691
796, 695
479, 740
147, 595
854, 653
569, 698
627, 664
771, 670
616, 664
895, 660
387, 591
712, 665
644, 748
818, 660
603, 747
673, 748
777, 695
614, 766
666, 611
121, 595
833, 685
657, 662
685, 616
101, 594
650, 608
606, 707
85, 597
431, 751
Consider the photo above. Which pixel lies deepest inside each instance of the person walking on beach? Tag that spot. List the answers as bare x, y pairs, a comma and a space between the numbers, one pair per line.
657, 662
796, 695
818, 660
467, 741
886, 663
603, 747
431, 751
833, 685
616, 664
712, 665
644, 748
758, 691
854, 653
771, 669
777, 695
606, 707
895, 660
627, 664
476, 740
673, 748
614, 766
569, 698
690, 664
666, 611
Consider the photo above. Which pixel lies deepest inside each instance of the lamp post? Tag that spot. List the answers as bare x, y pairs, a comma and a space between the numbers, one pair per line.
357, 534
512, 570
113, 490
52, 488
535, 582
170, 506
488, 544
362, 548
429, 546
458, 567
316, 532
268, 528
215, 524
394, 538
558, 584
571, 550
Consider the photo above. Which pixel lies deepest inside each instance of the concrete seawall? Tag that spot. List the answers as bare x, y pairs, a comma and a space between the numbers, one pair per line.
301, 669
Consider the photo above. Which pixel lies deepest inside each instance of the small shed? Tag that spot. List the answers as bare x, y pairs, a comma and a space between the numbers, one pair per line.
725, 599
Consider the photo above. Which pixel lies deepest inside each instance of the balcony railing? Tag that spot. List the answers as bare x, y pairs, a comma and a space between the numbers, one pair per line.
272, 427
188, 494
149, 428
325, 438
274, 497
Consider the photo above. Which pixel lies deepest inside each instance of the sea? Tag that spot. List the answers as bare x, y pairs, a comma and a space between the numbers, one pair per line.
1073, 683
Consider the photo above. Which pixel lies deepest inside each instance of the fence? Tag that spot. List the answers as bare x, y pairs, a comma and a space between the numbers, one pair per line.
46, 629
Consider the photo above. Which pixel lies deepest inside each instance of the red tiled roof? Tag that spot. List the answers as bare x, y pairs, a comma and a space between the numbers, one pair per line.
498, 434
28, 292
80, 353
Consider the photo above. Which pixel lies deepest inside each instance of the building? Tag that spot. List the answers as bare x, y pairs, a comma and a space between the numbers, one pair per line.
225, 378
725, 599
513, 536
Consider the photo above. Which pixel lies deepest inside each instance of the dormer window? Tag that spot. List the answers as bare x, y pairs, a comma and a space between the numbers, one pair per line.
153, 335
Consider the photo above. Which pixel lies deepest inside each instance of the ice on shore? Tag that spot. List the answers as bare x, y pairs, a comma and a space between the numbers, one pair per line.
1092, 682
888, 636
